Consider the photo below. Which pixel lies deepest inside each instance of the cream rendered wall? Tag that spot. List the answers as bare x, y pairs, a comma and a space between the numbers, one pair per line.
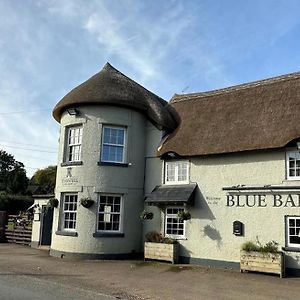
90, 179
153, 176
209, 234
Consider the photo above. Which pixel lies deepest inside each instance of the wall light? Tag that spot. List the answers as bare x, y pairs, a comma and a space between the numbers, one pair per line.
73, 111
298, 145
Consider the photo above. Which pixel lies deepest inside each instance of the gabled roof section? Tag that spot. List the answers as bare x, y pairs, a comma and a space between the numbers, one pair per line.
111, 87
255, 116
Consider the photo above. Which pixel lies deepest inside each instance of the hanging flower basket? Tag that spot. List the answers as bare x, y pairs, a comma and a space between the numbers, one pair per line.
86, 202
146, 215
184, 215
52, 202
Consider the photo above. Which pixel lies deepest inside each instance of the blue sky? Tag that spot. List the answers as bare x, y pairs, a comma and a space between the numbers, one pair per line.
47, 47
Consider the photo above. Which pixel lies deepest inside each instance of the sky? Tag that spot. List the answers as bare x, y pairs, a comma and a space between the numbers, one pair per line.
48, 47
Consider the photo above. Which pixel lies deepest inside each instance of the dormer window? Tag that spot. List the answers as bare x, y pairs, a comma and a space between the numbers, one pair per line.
176, 172
293, 165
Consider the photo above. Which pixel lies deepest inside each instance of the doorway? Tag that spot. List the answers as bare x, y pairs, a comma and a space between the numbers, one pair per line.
46, 225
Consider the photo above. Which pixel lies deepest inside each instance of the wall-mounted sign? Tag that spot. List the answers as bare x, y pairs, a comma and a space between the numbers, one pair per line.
69, 179
263, 200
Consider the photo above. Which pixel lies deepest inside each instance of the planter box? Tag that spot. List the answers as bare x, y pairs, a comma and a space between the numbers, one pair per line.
263, 262
161, 251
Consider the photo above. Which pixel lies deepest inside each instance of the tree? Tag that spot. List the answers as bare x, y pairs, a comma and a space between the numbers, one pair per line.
45, 179
13, 178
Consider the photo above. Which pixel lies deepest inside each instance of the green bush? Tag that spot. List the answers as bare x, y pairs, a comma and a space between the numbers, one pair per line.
156, 237
270, 247
13, 204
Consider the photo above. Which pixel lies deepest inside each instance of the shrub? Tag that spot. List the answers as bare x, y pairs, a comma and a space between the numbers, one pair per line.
156, 237
86, 202
52, 202
146, 215
13, 204
184, 215
270, 247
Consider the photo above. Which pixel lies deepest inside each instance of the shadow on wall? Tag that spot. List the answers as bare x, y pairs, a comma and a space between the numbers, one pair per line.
211, 232
203, 210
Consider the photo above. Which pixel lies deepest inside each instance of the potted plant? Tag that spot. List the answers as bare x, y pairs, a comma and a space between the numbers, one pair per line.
86, 202
262, 258
159, 247
184, 215
52, 202
146, 215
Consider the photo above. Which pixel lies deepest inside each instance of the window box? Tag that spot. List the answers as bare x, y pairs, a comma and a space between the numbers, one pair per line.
262, 262
161, 251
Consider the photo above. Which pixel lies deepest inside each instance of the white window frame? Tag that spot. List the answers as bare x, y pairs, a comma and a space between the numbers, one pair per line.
124, 145
288, 235
176, 163
120, 230
169, 215
64, 211
70, 145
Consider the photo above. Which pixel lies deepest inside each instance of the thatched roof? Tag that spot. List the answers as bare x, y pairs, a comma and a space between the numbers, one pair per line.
260, 115
111, 87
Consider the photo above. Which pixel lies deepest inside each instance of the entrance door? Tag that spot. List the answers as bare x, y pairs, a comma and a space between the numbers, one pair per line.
46, 222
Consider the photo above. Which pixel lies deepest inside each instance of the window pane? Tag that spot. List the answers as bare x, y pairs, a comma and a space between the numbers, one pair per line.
109, 213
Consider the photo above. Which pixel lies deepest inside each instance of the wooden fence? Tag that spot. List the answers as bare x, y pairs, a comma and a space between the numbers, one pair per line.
18, 234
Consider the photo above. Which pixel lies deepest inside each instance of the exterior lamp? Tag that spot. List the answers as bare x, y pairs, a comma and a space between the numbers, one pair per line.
73, 111
298, 145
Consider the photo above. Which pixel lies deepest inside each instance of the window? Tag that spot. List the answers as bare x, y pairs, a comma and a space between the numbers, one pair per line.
74, 144
69, 211
174, 227
109, 213
293, 164
176, 172
293, 231
113, 144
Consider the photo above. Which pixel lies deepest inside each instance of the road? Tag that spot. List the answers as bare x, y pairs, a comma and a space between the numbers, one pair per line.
24, 287
27, 273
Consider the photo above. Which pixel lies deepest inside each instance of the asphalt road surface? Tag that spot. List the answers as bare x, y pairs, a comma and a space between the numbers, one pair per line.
24, 287
27, 273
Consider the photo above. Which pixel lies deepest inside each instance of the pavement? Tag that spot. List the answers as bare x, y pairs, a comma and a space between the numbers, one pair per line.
27, 273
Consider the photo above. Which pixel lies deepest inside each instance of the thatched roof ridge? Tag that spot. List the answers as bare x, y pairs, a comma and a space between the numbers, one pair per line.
254, 116
111, 87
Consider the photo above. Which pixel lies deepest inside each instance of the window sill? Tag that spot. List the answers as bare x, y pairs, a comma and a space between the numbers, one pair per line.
108, 234
66, 233
74, 163
291, 249
103, 163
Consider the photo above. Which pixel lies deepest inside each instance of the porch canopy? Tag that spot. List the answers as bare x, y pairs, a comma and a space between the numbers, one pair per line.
172, 194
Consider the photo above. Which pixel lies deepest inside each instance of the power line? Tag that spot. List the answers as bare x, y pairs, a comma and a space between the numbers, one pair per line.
34, 145
24, 111
15, 147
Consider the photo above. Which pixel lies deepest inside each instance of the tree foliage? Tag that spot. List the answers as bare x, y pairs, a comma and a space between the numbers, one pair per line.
45, 179
13, 178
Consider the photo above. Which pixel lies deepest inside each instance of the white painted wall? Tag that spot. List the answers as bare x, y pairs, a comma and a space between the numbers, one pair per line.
92, 179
